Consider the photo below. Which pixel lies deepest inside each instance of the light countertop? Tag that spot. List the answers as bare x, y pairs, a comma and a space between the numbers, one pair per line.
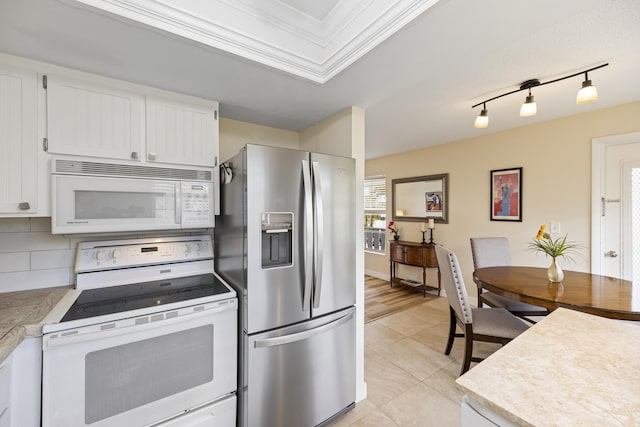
21, 315
571, 368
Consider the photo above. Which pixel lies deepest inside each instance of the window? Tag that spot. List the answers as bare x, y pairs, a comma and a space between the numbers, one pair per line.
375, 214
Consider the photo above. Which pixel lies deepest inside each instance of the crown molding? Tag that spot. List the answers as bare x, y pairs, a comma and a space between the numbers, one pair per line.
274, 33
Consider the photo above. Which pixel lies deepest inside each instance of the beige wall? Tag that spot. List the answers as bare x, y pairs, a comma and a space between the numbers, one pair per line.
235, 134
556, 161
332, 135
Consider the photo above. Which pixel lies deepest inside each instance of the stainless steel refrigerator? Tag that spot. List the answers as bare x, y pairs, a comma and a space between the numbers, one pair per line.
285, 239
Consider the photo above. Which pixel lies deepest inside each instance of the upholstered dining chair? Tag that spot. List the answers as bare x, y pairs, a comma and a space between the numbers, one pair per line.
494, 252
478, 324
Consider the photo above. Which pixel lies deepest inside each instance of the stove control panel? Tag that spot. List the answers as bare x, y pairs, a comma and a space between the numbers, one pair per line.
93, 256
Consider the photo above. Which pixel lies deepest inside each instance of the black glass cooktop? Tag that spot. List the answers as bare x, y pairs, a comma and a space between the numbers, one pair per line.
117, 299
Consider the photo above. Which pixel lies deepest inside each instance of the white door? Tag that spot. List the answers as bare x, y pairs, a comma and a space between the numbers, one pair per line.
614, 161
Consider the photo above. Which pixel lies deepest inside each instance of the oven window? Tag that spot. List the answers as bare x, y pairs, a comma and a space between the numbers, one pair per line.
128, 376
118, 204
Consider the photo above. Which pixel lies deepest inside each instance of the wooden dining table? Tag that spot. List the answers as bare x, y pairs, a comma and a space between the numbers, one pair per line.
591, 293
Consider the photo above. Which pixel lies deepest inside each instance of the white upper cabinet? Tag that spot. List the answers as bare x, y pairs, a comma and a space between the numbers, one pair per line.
18, 140
90, 119
182, 133
110, 119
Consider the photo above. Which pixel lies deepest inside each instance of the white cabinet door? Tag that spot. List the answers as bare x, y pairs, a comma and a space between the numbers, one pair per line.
182, 133
5, 391
90, 119
18, 140
26, 392
20, 381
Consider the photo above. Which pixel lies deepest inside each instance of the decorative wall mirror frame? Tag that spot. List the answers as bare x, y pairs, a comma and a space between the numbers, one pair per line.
420, 198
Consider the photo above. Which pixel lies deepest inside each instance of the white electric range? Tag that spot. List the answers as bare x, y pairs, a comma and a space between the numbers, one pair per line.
147, 338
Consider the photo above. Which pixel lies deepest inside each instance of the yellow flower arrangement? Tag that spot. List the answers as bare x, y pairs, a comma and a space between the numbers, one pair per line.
554, 248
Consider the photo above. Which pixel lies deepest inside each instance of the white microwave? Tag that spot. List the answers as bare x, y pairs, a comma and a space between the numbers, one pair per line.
95, 197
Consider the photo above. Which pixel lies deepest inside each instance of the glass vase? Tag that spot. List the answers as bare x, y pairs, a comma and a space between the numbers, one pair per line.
554, 272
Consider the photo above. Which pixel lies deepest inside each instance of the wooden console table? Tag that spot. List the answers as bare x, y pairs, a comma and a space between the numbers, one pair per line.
414, 254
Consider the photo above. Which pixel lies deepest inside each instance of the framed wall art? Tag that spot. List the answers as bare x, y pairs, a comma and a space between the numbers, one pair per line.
506, 194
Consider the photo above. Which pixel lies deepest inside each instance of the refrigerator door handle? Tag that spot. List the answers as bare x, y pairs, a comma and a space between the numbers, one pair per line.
307, 235
318, 234
299, 336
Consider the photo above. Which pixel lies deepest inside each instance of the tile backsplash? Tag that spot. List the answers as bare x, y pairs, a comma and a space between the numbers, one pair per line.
31, 257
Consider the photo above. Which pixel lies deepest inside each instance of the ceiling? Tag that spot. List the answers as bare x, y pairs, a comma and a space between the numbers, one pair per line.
415, 67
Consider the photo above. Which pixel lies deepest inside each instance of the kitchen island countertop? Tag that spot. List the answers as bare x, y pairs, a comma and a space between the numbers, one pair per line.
571, 368
21, 315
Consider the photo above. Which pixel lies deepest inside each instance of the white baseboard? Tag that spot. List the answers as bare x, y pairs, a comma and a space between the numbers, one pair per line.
376, 274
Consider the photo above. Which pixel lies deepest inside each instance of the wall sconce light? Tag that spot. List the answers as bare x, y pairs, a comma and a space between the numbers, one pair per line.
587, 93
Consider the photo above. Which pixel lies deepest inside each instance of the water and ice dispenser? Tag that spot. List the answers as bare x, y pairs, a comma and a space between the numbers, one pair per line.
277, 239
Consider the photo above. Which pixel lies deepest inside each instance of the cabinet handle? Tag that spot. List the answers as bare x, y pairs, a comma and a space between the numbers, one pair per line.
134, 155
24, 206
152, 156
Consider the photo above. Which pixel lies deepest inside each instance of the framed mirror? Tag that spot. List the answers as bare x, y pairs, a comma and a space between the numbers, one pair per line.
420, 198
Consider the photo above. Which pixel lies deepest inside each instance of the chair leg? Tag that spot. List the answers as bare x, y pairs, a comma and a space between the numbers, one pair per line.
452, 330
468, 348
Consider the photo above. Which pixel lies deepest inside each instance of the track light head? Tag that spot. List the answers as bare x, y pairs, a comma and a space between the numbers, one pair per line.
588, 92
482, 121
529, 107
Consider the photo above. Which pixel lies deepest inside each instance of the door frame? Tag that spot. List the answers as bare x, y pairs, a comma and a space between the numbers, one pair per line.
598, 157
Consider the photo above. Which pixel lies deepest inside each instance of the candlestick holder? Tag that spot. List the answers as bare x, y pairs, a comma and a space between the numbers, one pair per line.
423, 241
430, 237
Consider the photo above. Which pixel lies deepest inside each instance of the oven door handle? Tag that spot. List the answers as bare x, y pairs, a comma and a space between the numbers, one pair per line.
59, 339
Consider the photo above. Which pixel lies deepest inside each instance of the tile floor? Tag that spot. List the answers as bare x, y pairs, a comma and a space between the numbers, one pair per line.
410, 382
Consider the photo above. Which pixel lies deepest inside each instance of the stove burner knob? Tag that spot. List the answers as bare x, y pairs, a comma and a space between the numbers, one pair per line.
197, 247
115, 253
187, 248
98, 255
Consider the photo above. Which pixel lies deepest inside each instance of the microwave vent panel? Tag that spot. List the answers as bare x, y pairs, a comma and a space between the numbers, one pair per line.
73, 167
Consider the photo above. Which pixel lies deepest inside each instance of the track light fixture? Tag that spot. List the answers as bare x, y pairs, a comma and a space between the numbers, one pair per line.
587, 93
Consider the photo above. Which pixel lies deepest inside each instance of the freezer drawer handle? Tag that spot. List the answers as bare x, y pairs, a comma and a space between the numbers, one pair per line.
287, 339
